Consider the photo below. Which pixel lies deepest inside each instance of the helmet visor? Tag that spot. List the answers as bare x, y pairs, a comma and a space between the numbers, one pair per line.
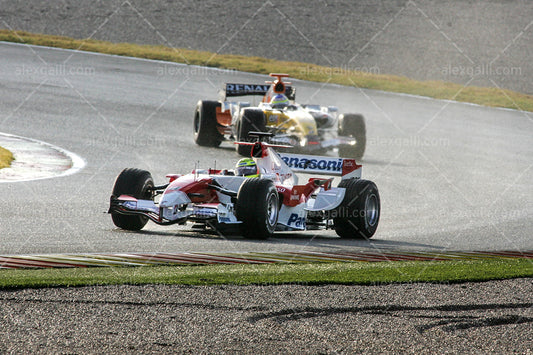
247, 170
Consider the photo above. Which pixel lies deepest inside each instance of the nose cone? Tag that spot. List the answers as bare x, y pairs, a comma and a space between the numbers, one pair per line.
172, 198
305, 122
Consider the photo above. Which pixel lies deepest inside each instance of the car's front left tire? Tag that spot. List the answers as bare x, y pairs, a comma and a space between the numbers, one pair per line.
257, 208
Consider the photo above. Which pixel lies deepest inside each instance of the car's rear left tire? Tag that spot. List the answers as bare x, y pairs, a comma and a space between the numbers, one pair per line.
136, 183
205, 124
357, 217
257, 208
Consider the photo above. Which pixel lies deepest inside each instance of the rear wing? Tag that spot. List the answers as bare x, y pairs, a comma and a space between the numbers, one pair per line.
232, 90
347, 168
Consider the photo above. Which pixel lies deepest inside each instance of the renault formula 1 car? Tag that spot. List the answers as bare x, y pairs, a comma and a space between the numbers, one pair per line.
272, 201
311, 128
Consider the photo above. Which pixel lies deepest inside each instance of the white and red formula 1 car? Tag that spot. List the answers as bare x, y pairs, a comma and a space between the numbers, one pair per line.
258, 206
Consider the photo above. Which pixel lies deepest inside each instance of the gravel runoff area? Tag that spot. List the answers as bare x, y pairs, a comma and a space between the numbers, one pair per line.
488, 317
471, 42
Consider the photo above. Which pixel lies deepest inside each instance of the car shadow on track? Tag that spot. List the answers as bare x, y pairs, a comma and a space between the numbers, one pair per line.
328, 240
378, 162
315, 239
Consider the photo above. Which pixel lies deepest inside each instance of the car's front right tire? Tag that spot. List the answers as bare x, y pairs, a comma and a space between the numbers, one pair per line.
135, 183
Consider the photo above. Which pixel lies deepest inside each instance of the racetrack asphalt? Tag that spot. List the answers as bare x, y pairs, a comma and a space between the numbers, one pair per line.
452, 176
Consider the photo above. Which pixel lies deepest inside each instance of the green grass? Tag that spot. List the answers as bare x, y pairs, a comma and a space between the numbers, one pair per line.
436, 89
6, 157
359, 273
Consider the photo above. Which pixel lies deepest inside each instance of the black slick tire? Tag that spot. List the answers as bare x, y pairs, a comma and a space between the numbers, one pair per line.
257, 208
250, 120
353, 125
206, 133
136, 183
357, 217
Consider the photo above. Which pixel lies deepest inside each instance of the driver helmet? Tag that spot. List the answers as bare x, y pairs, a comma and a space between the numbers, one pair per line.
247, 167
279, 101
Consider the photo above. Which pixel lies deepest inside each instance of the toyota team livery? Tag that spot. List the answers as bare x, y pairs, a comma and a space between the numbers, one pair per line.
272, 200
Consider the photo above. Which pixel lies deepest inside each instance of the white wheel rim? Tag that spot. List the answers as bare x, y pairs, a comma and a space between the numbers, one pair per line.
371, 210
272, 210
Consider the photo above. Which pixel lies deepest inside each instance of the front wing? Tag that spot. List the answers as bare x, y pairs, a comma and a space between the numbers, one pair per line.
177, 214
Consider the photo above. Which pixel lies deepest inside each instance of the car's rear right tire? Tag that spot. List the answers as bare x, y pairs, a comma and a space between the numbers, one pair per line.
353, 125
135, 183
357, 217
205, 124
